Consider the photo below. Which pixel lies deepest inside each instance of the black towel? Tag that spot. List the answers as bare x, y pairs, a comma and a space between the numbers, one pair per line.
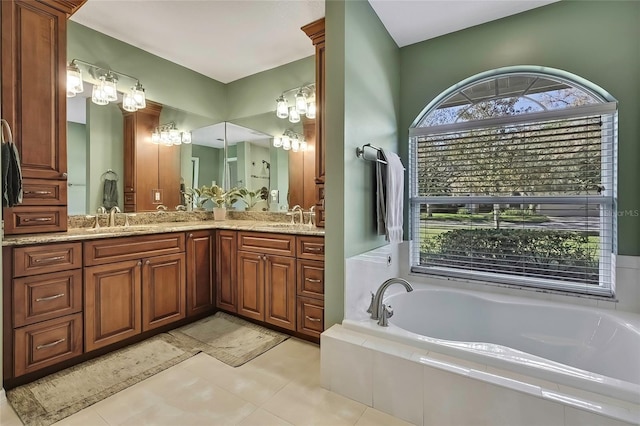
110, 193
11, 171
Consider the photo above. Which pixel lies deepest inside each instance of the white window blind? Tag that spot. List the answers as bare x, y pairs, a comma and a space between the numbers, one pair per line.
526, 200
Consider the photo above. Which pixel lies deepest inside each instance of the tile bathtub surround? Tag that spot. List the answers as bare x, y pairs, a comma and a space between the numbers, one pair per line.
280, 387
429, 389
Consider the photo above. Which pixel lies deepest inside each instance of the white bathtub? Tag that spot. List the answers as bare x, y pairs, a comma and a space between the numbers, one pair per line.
583, 349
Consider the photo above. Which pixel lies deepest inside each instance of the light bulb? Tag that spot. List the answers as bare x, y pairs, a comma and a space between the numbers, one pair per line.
98, 95
301, 102
286, 143
311, 109
294, 117
295, 144
303, 146
155, 138
282, 108
186, 137
174, 136
128, 103
277, 142
138, 95
110, 87
74, 80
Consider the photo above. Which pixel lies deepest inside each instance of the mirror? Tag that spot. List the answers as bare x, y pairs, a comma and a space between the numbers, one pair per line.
95, 146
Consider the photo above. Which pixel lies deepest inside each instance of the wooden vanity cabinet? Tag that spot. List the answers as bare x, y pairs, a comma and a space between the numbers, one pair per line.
226, 270
310, 285
132, 285
43, 302
267, 278
33, 82
201, 260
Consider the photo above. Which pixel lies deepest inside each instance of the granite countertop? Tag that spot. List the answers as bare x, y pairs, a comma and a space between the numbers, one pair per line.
79, 234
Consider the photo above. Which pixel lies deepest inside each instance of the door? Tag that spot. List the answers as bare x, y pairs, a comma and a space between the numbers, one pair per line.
163, 290
226, 267
112, 295
251, 285
200, 272
280, 291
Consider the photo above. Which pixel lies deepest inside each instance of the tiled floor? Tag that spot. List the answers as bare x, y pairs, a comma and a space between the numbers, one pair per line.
280, 387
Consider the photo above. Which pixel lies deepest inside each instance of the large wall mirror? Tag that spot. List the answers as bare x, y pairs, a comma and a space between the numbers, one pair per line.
95, 154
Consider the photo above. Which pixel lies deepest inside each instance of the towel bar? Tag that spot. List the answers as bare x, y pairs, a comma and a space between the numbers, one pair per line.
360, 153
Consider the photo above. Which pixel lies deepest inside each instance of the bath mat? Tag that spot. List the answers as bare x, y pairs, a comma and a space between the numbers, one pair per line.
232, 340
66, 392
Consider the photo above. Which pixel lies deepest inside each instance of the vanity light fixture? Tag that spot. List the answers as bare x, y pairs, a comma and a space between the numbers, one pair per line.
168, 135
105, 85
290, 140
304, 103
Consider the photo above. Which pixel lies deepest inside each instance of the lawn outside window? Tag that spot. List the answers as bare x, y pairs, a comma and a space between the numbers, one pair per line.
513, 180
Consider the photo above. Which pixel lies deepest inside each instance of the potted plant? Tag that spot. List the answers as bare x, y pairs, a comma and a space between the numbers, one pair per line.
251, 198
199, 195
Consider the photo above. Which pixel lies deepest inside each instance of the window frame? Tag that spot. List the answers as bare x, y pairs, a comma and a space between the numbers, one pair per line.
607, 201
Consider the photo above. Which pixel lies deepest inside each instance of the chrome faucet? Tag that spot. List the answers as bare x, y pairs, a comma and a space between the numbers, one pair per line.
161, 207
299, 209
101, 210
312, 215
180, 208
112, 215
376, 306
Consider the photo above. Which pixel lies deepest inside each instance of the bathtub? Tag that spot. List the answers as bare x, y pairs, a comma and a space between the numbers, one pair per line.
585, 358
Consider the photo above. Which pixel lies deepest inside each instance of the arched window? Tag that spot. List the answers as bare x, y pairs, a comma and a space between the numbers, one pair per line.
513, 180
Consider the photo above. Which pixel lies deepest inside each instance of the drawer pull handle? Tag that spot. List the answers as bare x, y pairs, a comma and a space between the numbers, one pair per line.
49, 259
45, 299
48, 345
315, 249
312, 319
38, 219
39, 192
311, 280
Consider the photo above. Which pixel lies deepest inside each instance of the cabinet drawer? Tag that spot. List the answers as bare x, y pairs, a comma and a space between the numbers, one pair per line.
110, 250
41, 192
34, 219
46, 258
264, 242
310, 316
310, 248
311, 278
42, 297
47, 343
130, 198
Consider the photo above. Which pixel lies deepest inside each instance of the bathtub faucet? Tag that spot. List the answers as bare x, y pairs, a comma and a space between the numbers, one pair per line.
375, 309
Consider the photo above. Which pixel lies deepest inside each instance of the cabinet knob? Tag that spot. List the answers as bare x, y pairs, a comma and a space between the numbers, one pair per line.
139, 263
190, 235
148, 262
64, 175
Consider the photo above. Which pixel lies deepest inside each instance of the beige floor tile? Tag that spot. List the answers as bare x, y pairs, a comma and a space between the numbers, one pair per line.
373, 417
86, 417
261, 417
312, 405
250, 383
8, 416
195, 403
293, 360
127, 403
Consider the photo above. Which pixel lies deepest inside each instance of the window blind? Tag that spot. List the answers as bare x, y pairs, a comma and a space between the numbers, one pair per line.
529, 201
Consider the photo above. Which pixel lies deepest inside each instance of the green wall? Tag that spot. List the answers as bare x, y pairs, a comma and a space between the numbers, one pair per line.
164, 82
362, 78
599, 41
77, 168
209, 169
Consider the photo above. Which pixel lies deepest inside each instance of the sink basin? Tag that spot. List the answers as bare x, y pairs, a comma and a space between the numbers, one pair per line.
279, 225
115, 229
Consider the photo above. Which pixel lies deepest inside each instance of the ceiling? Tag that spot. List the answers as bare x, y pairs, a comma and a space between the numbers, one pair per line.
229, 40
213, 136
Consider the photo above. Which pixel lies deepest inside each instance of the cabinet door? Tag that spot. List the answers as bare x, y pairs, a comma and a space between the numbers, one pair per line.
34, 54
200, 272
251, 285
280, 290
112, 295
226, 266
163, 290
